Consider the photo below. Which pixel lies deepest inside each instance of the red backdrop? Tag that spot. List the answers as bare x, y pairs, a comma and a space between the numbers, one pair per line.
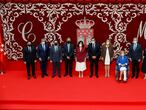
36, 19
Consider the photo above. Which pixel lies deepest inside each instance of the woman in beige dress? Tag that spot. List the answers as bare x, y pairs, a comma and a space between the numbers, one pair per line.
107, 56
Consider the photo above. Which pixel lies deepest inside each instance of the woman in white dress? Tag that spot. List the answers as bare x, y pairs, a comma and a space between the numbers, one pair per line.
107, 56
80, 58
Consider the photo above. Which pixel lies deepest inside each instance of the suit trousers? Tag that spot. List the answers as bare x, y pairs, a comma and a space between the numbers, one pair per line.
135, 68
56, 67
32, 66
94, 63
68, 66
43, 65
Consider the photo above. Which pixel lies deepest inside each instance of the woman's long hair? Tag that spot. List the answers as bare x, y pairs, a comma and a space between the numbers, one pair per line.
80, 42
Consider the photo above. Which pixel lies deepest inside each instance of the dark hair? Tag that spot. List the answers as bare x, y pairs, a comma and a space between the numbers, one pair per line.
93, 38
80, 42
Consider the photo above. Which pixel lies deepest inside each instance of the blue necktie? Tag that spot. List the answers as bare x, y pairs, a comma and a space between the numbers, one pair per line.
134, 47
93, 45
68, 47
56, 48
29, 48
44, 47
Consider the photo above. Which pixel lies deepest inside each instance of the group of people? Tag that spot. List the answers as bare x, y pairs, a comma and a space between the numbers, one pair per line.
68, 52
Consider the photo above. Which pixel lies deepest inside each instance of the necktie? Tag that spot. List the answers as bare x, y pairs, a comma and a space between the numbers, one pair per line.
29, 49
68, 46
44, 47
93, 45
56, 48
135, 46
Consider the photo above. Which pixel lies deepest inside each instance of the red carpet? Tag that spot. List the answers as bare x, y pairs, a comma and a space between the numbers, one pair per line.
16, 92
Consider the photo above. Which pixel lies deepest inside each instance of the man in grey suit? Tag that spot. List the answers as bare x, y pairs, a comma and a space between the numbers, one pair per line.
56, 58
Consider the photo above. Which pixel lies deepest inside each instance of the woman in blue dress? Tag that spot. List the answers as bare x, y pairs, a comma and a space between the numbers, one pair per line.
122, 63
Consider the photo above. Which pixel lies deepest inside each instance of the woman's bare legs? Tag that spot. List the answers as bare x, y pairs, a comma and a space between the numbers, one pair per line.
121, 73
81, 74
108, 70
105, 69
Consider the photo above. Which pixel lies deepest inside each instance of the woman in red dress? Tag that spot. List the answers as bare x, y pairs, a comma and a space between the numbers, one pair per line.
81, 53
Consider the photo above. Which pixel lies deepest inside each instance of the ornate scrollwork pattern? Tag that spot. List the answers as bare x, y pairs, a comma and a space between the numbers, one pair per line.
117, 17
52, 16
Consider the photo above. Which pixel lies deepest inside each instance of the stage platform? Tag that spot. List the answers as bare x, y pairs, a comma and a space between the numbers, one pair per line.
16, 92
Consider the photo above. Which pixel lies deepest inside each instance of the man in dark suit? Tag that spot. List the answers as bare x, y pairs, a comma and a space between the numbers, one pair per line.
135, 53
68, 51
94, 55
56, 58
29, 57
43, 55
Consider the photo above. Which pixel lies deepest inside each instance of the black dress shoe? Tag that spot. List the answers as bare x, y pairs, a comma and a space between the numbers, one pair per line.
53, 76
70, 75
59, 76
97, 76
46, 74
132, 76
91, 76
34, 76
136, 77
28, 77
65, 75
43, 76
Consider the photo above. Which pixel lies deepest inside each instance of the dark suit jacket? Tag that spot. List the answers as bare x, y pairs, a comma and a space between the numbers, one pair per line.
94, 52
70, 53
55, 56
43, 54
29, 56
137, 54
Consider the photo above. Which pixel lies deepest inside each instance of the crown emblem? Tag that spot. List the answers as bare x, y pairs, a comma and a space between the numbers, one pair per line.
85, 23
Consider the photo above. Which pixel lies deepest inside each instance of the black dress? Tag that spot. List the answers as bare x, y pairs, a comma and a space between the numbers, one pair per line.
144, 62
